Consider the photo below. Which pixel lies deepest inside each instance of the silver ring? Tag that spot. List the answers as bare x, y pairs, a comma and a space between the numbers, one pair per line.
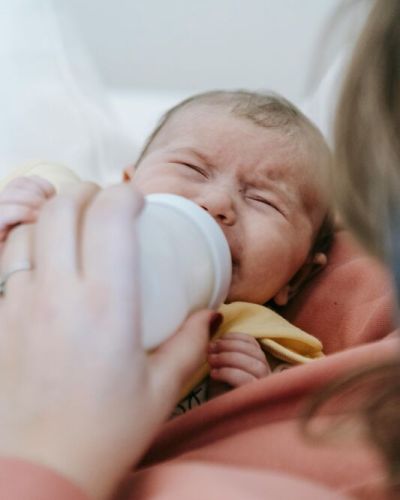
22, 266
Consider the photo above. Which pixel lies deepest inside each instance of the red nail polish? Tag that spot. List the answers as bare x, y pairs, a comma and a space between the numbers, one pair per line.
215, 322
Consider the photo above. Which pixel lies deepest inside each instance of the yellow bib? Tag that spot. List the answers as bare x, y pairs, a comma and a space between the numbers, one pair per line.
275, 335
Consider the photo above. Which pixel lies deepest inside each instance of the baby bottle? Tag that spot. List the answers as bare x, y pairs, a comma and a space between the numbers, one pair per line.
185, 264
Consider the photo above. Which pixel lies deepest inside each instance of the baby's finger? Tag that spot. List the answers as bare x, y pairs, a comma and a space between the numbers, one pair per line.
43, 185
33, 183
232, 376
14, 214
227, 345
253, 366
17, 196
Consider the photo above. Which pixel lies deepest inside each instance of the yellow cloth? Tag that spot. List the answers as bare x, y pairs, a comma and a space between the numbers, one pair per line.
58, 175
275, 335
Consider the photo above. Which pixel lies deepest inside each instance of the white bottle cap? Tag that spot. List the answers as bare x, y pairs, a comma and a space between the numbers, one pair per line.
214, 236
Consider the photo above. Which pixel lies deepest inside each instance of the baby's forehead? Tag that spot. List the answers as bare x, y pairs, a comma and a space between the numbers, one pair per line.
213, 129
196, 113
290, 156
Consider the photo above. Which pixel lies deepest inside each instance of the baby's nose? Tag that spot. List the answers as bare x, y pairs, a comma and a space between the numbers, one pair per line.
220, 205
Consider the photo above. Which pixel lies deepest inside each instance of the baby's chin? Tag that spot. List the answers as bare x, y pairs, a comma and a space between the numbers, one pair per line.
233, 292
244, 290
233, 288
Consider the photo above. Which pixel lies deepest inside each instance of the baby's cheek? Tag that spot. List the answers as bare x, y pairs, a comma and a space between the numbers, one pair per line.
234, 292
248, 292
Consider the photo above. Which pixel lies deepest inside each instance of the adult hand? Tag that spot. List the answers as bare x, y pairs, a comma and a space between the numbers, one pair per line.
77, 391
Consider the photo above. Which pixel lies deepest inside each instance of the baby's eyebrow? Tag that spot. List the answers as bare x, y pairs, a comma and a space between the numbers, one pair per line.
201, 156
274, 181
274, 172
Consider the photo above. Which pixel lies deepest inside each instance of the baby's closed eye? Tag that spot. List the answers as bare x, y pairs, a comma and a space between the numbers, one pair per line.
263, 201
195, 168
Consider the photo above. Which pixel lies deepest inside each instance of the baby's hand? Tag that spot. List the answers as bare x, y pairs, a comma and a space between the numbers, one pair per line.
21, 200
237, 359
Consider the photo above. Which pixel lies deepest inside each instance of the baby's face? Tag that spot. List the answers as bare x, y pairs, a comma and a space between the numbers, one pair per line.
257, 185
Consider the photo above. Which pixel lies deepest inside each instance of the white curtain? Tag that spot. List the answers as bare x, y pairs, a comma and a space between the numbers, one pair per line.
52, 104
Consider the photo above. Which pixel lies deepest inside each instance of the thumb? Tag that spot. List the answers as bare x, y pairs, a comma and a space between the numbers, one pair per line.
177, 358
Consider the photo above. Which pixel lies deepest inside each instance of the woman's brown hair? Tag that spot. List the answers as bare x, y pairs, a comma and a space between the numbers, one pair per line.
367, 171
367, 130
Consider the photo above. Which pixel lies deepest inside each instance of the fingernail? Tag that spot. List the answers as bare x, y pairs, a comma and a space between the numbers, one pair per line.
215, 322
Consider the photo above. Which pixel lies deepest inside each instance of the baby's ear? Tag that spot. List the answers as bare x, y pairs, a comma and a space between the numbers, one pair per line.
128, 173
282, 297
313, 265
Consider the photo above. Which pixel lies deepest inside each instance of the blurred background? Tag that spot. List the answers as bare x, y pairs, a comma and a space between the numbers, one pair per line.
153, 53
181, 45
85, 81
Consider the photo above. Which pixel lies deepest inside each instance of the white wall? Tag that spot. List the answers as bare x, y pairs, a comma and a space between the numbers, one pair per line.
179, 45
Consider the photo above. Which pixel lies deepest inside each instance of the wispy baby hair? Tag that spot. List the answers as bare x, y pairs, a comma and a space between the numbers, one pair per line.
264, 109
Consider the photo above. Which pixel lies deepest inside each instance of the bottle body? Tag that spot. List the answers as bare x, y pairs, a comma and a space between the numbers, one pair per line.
185, 264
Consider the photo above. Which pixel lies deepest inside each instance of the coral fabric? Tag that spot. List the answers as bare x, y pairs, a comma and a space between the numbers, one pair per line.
349, 307
256, 427
215, 482
24, 480
349, 303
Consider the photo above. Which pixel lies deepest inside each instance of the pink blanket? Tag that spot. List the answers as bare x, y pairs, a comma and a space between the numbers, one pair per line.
349, 303
349, 307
